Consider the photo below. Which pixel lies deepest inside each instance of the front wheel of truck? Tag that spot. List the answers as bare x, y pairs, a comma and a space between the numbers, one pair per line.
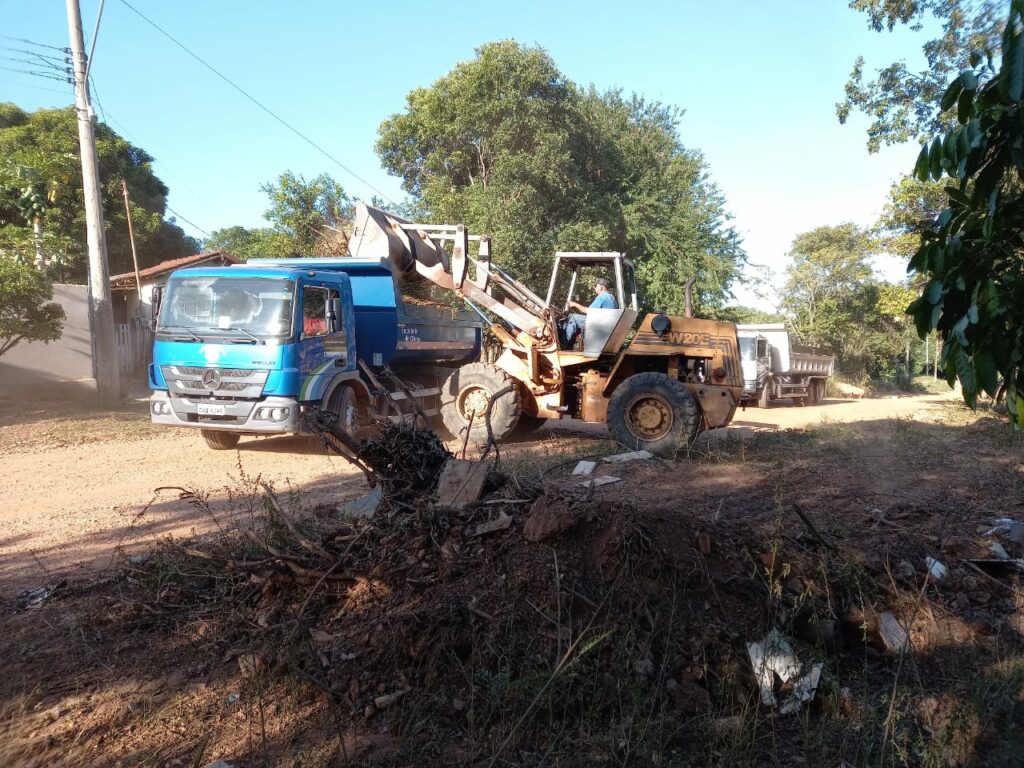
220, 441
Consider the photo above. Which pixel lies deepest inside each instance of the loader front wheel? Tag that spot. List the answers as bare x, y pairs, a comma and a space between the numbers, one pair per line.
220, 441
650, 411
464, 400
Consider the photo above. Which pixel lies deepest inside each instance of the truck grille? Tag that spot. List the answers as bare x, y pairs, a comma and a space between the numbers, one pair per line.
240, 383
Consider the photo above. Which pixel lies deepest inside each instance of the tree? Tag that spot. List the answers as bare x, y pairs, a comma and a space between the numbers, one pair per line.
315, 215
904, 104
832, 299
910, 211
828, 267
508, 145
44, 146
26, 312
246, 244
308, 218
972, 257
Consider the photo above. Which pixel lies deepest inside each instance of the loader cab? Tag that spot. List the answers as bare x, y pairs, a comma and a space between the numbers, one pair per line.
606, 329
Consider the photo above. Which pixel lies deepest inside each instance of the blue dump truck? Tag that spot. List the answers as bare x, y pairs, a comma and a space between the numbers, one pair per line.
250, 349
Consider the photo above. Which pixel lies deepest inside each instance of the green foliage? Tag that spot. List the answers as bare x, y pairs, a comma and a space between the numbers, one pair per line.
308, 218
832, 299
313, 214
911, 209
247, 244
41, 153
828, 266
741, 314
971, 259
506, 144
904, 104
26, 312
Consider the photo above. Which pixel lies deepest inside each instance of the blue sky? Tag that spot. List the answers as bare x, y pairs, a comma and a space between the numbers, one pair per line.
758, 81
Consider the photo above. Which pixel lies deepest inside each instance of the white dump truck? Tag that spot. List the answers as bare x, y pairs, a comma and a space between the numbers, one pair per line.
776, 369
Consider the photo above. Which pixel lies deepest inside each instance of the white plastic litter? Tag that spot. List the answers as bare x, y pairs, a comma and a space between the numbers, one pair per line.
936, 568
769, 657
803, 690
619, 458
585, 467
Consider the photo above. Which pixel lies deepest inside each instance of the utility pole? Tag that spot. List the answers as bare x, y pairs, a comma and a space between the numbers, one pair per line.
105, 362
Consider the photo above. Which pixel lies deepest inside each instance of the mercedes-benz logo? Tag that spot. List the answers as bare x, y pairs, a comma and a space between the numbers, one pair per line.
211, 378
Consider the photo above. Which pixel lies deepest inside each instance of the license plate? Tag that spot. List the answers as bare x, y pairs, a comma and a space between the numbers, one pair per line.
208, 409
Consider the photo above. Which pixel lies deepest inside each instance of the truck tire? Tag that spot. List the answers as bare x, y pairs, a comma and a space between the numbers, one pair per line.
343, 402
650, 411
220, 441
763, 397
468, 390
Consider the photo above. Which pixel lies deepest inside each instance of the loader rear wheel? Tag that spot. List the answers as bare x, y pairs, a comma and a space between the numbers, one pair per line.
464, 400
650, 411
220, 441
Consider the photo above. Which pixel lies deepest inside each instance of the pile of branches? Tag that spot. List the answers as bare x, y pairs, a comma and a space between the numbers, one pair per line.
406, 460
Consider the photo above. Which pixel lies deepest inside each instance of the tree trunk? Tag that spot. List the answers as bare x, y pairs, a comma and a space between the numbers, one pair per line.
37, 239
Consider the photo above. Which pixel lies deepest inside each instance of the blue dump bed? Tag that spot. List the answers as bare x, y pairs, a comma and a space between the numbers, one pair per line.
389, 331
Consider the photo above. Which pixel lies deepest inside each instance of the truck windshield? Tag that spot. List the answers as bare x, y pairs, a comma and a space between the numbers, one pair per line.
227, 307
746, 348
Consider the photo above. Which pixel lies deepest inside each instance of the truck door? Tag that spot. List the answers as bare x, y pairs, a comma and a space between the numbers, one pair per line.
325, 338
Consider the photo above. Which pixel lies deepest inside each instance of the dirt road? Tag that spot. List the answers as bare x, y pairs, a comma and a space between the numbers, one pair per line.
75, 488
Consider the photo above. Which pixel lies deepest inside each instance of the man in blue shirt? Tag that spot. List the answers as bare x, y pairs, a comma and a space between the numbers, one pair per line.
574, 324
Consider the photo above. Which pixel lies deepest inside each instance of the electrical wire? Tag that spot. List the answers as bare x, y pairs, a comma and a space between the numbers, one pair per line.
33, 87
255, 101
32, 42
190, 223
35, 74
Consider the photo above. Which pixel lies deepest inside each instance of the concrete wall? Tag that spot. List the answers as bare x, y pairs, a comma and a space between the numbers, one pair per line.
62, 367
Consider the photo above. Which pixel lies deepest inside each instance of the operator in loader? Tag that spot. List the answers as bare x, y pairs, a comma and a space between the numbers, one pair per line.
574, 324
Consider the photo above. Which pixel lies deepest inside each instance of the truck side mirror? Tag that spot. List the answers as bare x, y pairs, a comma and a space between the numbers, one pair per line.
154, 306
334, 315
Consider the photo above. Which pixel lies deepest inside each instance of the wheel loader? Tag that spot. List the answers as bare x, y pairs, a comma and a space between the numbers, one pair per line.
656, 383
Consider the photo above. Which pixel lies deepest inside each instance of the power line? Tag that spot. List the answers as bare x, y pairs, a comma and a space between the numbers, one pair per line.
256, 101
190, 223
39, 45
32, 63
35, 74
33, 87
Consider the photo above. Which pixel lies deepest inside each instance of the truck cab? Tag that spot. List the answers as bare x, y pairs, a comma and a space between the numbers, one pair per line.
238, 349
249, 349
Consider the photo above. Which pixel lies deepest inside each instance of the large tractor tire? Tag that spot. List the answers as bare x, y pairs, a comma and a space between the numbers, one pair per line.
218, 440
464, 399
650, 411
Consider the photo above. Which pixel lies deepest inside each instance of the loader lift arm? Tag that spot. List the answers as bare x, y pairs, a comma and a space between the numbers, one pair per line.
412, 247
